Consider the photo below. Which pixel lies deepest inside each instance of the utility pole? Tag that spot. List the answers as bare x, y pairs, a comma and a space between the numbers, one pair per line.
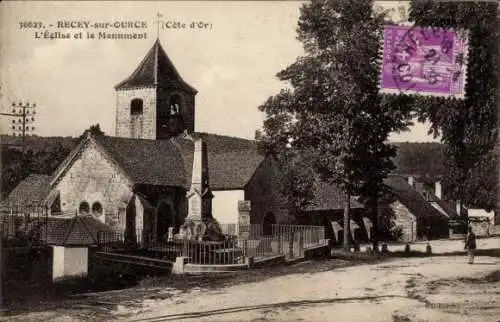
23, 119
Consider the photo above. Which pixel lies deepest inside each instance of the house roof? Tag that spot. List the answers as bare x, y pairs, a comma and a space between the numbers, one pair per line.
32, 191
156, 69
446, 205
231, 161
75, 231
411, 198
329, 197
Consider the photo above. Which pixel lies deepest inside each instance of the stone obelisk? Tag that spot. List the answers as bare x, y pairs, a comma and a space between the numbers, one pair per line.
199, 195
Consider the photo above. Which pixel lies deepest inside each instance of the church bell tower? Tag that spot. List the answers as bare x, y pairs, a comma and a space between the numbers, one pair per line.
154, 102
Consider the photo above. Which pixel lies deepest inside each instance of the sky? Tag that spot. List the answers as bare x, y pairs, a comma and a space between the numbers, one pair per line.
232, 64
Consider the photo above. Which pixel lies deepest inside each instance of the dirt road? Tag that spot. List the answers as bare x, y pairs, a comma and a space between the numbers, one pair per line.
438, 288
419, 289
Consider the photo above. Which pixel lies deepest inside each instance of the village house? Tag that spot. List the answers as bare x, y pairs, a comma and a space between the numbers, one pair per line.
411, 212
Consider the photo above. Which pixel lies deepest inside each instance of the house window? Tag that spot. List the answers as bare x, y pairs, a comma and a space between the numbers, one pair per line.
136, 106
84, 208
97, 209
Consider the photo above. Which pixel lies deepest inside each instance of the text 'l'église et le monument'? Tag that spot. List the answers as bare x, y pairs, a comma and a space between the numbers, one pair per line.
102, 30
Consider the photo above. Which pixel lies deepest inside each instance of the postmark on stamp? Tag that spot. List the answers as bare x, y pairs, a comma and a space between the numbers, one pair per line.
424, 60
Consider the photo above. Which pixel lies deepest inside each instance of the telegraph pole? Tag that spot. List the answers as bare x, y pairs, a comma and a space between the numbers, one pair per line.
24, 114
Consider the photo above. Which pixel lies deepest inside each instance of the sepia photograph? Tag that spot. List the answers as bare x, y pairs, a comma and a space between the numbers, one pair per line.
315, 160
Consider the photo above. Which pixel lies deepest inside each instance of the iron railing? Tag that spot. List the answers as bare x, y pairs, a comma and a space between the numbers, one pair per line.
288, 240
23, 225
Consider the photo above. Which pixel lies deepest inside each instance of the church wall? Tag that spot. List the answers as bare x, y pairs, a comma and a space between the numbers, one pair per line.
126, 124
92, 178
225, 205
263, 191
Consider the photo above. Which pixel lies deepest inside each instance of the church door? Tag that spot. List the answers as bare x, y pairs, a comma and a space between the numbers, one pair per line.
269, 221
130, 229
165, 219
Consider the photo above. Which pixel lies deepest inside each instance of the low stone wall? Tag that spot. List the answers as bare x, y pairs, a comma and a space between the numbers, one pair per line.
321, 251
269, 261
197, 268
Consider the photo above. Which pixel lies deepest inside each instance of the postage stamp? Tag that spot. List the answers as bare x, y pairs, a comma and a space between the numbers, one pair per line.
425, 60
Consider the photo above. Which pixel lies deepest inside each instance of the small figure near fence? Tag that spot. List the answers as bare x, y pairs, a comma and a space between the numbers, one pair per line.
470, 244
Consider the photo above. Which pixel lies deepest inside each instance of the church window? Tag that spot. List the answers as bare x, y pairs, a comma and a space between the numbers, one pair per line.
97, 209
84, 208
174, 104
136, 106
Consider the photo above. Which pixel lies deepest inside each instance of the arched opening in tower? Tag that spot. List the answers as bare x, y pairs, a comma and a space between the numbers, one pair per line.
170, 120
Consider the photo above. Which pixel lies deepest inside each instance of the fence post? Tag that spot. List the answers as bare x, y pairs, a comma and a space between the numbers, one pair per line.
290, 245
245, 248
301, 243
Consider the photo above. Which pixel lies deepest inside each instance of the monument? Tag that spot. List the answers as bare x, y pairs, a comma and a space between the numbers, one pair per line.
199, 223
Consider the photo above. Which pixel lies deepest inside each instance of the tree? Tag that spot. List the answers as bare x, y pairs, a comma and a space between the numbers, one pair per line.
468, 126
333, 112
94, 130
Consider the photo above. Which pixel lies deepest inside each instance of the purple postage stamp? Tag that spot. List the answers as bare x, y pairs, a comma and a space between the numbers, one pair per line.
424, 60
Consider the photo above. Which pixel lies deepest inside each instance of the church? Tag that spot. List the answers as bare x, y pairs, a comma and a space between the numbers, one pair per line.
141, 178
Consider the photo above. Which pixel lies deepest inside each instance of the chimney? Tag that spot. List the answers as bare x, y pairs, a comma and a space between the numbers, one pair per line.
411, 181
438, 190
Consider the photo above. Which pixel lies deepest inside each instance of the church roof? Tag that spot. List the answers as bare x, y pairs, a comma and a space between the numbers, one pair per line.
231, 161
156, 69
32, 191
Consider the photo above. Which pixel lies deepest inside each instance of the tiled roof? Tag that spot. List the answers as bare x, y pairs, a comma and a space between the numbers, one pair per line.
30, 192
156, 69
152, 162
411, 198
75, 231
329, 197
231, 161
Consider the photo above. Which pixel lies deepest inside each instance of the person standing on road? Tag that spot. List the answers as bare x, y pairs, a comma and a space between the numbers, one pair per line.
470, 244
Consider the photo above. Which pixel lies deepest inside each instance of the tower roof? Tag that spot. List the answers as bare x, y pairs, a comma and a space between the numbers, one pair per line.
156, 69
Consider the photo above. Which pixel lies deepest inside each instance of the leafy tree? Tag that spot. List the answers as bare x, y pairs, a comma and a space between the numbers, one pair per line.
467, 127
333, 112
94, 130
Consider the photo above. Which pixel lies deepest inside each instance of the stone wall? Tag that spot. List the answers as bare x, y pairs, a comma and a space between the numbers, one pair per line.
225, 206
406, 220
92, 178
126, 124
263, 191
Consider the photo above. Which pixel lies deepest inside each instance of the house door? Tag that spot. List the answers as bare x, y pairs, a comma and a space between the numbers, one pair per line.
165, 219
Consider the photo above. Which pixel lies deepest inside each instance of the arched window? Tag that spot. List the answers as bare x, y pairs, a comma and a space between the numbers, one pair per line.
174, 104
97, 209
84, 208
136, 106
